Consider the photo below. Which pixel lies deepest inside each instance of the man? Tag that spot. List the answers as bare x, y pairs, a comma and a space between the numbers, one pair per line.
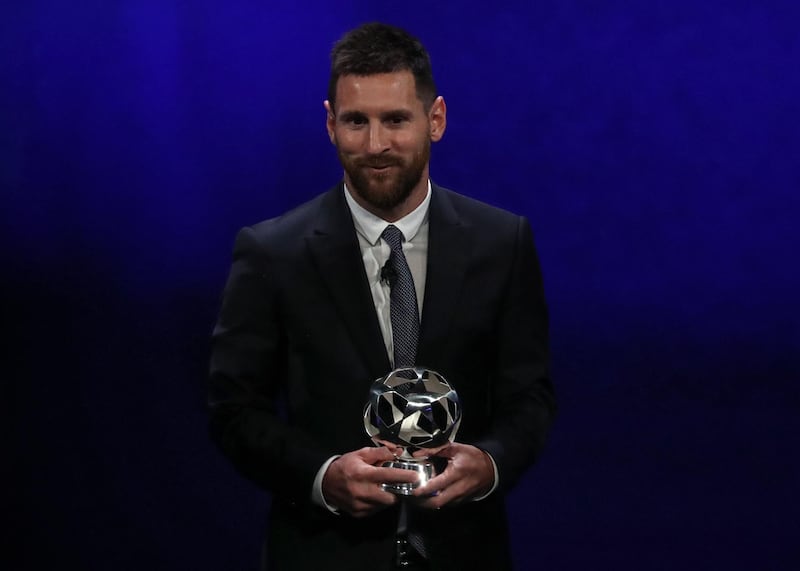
309, 320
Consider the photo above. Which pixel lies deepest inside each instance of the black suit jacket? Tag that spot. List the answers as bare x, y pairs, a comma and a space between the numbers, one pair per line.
298, 344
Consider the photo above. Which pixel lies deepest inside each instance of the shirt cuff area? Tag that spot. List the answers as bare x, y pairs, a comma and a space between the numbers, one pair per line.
496, 480
316, 491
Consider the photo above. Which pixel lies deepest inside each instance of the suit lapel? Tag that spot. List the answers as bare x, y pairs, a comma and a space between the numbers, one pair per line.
335, 250
449, 244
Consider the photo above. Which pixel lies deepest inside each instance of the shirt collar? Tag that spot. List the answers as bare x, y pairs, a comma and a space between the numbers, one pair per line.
371, 227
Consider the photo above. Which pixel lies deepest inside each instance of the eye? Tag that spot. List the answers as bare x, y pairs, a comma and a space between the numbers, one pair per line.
353, 120
397, 120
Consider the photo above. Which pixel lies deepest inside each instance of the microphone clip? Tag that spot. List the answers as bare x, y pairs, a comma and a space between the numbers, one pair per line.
388, 274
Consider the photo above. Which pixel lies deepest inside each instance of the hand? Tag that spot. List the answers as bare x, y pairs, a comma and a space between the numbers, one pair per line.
352, 482
469, 474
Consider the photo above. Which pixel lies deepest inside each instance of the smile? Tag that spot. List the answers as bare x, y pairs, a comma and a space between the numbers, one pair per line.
381, 168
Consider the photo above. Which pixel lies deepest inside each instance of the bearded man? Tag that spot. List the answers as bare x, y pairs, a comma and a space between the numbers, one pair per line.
309, 320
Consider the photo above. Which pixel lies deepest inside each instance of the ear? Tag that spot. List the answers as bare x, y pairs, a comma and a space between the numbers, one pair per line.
438, 119
330, 121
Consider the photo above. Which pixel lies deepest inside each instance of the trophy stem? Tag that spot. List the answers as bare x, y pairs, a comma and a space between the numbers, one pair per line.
422, 467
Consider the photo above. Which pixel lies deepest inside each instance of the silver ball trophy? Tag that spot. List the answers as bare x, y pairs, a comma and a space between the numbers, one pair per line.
412, 408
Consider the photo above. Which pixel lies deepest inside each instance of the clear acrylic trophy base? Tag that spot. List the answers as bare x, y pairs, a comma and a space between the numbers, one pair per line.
422, 467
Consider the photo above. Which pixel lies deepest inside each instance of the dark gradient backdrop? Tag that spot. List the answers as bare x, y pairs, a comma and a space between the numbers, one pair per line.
654, 146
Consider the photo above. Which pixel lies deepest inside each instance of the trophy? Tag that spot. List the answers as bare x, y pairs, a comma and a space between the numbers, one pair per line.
412, 408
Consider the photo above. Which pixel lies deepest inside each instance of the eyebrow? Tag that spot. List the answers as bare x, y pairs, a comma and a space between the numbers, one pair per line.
350, 115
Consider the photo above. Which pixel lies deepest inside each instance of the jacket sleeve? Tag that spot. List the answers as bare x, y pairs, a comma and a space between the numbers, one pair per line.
522, 398
247, 376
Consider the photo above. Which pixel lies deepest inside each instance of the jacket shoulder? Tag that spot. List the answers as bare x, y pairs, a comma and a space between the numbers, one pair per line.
474, 211
294, 224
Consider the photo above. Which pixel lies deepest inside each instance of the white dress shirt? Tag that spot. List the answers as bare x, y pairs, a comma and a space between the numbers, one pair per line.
375, 253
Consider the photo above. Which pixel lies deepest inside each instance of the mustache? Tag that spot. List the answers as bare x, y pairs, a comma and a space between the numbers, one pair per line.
379, 162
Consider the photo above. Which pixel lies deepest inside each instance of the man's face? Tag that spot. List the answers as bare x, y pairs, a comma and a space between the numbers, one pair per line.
383, 138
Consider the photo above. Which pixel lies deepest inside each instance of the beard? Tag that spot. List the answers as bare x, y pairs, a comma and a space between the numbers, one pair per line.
385, 190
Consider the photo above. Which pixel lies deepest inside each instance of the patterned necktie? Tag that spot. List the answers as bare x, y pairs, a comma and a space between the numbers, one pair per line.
404, 314
403, 310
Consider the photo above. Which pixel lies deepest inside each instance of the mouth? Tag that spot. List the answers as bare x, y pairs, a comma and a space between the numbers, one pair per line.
379, 172
379, 163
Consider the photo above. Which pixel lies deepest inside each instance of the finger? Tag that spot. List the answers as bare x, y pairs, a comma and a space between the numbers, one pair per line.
377, 497
393, 448
437, 499
396, 475
376, 455
370, 497
449, 451
433, 486
428, 452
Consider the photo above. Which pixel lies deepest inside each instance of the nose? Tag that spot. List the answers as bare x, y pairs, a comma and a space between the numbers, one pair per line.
378, 139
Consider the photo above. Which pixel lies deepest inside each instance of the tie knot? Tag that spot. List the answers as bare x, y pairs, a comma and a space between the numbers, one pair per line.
393, 237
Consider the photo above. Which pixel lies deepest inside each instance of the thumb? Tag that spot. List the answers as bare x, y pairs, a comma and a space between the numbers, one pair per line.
449, 451
375, 455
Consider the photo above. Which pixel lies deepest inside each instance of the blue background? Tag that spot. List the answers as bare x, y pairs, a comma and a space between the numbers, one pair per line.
653, 145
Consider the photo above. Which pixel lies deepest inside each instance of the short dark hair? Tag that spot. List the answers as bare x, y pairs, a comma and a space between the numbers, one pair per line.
380, 48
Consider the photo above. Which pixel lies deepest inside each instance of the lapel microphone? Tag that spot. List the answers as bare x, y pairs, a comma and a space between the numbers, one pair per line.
388, 274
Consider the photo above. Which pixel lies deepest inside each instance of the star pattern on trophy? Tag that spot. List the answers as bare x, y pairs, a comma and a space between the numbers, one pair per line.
414, 408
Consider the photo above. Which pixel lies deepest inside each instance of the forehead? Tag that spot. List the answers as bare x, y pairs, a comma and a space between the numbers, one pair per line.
375, 93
